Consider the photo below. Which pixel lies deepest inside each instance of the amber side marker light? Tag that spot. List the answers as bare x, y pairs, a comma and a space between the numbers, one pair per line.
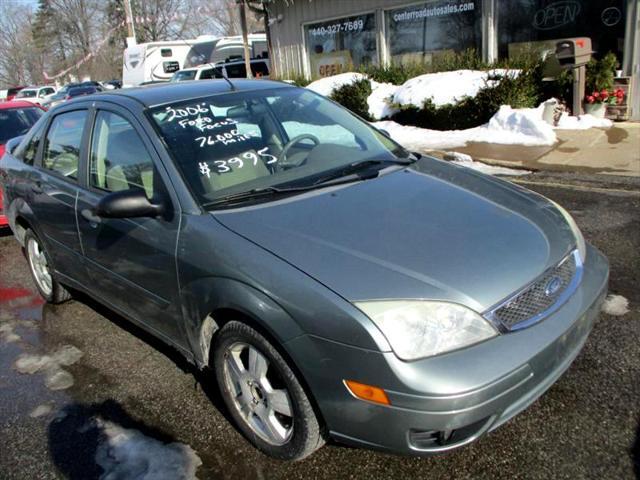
367, 392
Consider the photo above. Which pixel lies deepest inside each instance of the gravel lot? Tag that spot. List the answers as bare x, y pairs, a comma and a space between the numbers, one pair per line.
586, 426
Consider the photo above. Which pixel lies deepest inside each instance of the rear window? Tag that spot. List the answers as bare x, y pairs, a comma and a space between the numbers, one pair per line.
17, 121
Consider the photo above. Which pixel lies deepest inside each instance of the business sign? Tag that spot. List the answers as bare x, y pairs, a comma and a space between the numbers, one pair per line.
328, 64
556, 15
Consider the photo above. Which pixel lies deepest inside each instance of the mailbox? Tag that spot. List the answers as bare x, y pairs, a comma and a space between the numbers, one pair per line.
572, 52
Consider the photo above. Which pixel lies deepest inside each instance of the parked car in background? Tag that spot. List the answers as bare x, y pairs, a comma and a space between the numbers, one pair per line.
11, 92
92, 83
234, 69
112, 84
339, 285
59, 95
16, 118
73, 92
36, 95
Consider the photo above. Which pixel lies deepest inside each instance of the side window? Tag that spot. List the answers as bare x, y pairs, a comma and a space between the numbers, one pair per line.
62, 143
28, 153
119, 160
206, 74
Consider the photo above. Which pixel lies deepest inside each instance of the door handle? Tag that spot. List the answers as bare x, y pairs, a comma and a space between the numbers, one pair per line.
90, 217
36, 187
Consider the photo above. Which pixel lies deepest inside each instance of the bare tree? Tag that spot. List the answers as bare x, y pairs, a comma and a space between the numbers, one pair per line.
20, 62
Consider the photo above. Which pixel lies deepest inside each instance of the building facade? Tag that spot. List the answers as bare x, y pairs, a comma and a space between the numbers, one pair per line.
318, 38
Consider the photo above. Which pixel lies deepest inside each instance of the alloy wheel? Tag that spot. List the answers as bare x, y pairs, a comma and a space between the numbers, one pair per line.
39, 266
258, 393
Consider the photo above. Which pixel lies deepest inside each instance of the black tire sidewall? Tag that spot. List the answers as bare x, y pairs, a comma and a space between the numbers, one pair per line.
306, 433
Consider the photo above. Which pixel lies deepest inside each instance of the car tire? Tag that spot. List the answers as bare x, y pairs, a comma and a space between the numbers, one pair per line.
39, 266
253, 391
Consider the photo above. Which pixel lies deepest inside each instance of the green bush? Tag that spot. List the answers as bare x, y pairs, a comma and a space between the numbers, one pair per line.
600, 73
298, 79
354, 97
523, 91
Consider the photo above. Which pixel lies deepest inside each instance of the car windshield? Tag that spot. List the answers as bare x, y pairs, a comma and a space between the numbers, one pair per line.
26, 93
17, 121
285, 137
183, 75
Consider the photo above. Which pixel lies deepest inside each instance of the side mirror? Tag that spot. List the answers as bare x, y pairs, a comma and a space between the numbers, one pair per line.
13, 143
128, 204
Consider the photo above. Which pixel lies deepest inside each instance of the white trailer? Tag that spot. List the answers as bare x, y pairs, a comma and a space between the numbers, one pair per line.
158, 61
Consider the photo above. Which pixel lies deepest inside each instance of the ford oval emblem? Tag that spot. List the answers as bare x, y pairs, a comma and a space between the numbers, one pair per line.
553, 286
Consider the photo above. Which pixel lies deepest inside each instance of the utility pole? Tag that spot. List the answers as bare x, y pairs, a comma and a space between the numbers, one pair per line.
245, 38
131, 29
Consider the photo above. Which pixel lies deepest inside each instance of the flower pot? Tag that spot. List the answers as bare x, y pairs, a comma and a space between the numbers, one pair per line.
596, 109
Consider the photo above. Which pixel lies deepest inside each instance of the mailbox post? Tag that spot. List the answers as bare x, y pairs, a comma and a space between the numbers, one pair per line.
574, 54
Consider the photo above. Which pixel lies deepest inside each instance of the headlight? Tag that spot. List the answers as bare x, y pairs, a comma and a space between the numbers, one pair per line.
582, 246
417, 329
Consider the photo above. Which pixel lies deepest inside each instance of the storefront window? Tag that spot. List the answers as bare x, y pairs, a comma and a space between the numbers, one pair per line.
536, 25
421, 32
340, 45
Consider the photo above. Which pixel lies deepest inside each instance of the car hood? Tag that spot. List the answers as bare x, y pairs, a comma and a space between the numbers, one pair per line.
431, 231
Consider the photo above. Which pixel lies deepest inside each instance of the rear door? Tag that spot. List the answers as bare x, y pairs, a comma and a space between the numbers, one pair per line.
53, 186
131, 261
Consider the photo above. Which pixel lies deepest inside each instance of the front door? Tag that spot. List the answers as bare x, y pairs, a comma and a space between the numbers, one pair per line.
132, 260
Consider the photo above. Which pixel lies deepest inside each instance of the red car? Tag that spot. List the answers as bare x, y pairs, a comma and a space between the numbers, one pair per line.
16, 118
11, 93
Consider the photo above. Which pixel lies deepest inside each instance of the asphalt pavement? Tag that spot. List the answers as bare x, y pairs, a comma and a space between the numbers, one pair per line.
64, 369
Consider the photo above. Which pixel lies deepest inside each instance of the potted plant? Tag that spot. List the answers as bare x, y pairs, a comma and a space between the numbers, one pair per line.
596, 103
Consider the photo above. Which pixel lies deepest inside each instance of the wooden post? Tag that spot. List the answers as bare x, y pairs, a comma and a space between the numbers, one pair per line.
128, 13
245, 39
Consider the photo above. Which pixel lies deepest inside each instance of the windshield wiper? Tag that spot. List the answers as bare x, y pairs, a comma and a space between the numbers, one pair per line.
342, 175
248, 195
359, 166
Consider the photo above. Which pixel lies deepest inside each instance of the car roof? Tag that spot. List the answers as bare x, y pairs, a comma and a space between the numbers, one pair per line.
16, 104
162, 93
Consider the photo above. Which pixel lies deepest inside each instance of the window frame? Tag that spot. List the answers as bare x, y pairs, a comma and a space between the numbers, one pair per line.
125, 114
39, 160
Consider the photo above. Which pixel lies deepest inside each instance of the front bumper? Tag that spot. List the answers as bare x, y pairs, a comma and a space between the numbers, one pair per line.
444, 402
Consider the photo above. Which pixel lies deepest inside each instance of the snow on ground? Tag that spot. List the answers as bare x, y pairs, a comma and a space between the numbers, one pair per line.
56, 378
615, 305
507, 127
582, 122
465, 160
41, 410
125, 453
446, 87
325, 86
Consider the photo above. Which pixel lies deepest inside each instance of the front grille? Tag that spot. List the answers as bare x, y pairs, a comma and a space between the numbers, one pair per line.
539, 297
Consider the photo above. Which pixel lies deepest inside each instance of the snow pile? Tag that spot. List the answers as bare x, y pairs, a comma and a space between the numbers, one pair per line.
326, 86
507, 127
7, 334
582, 122
615, 305
378, 101
467, 161
523, 126
443, 88
126, 453
56, 378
